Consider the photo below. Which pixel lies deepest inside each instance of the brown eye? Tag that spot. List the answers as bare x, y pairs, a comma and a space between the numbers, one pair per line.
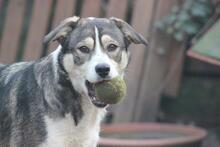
84, 49
112, 47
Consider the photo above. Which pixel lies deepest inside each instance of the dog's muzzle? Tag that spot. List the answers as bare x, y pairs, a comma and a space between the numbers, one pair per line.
91, 93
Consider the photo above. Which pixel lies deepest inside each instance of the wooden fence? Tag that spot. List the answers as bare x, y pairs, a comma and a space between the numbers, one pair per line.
23, 24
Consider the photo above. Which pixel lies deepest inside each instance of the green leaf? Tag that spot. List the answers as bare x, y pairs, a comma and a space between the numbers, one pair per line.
188, 4
183, 16
178, 24
202, 10
170, 30
190, 27
169, 20
160, 25
198, 12
179, 36
175, 9
187, 20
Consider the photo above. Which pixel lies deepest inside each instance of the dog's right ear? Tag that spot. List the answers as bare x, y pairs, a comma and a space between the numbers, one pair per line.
62, 30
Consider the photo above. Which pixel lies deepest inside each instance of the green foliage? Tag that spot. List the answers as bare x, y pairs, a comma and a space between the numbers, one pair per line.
186, 21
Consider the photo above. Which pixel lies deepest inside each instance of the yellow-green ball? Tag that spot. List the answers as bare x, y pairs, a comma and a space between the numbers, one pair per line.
111, 92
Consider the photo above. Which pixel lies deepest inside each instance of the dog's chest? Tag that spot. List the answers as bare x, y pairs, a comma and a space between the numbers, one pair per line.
64, 133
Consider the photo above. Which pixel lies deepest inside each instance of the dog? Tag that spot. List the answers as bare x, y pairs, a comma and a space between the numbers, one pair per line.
50, 102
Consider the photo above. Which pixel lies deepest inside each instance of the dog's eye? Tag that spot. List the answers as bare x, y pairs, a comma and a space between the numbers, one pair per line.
84, 49
112, 47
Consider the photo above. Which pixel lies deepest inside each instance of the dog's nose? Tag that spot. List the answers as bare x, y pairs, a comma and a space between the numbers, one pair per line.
102, 69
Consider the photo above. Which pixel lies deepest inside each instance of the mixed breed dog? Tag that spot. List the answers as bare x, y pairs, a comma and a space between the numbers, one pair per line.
50, 102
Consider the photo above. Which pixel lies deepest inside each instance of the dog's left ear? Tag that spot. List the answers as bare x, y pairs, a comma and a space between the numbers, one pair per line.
62, 30
130, 34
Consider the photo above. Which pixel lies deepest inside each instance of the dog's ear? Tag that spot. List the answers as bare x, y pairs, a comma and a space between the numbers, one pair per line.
62, 30
130, 34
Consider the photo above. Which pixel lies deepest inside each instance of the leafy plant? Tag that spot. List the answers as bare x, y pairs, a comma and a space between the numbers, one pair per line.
186, 21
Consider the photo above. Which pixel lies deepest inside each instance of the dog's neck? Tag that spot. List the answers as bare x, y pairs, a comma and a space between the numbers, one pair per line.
59, 94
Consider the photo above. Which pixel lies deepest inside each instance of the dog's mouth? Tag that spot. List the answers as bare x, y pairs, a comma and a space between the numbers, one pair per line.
91, 92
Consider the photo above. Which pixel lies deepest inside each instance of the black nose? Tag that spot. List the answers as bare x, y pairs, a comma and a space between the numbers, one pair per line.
102, 69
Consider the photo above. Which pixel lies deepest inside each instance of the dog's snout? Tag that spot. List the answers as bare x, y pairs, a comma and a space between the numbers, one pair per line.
102, 69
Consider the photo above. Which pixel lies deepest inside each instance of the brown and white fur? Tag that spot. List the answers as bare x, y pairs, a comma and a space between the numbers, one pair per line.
50, 102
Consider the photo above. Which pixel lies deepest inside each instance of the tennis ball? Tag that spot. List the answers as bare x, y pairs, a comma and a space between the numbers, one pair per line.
112, 91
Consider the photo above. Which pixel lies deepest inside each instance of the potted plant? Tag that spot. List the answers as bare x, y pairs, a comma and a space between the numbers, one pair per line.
151, 135
185, 21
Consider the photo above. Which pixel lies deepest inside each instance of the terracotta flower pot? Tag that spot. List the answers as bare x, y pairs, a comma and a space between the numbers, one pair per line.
151, 135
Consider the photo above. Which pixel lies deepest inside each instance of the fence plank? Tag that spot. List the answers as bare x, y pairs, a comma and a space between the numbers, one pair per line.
13, 25
38, 26
155, 69
141, 24
175, 63
64, 9
1, 4
91, 8
117, 8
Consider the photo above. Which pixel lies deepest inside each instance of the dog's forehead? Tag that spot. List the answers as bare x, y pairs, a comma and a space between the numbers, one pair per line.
86, 28
92, 22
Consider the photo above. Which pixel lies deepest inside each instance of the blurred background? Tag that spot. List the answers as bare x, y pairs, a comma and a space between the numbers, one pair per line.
175, 80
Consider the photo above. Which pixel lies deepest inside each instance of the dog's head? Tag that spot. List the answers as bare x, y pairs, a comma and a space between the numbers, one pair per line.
93, 50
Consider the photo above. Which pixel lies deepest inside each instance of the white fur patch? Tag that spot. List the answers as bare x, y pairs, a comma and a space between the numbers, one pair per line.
76, 74
91, 18
89, 42
55, 55
97, 42
71, 19
62, 132
106, 40
124, 60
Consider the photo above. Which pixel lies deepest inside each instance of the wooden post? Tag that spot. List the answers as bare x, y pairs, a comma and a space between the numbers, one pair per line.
91, 8
142, 24
175, 68
0, 4
117, 8
37, 29
13, 25
155, 69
